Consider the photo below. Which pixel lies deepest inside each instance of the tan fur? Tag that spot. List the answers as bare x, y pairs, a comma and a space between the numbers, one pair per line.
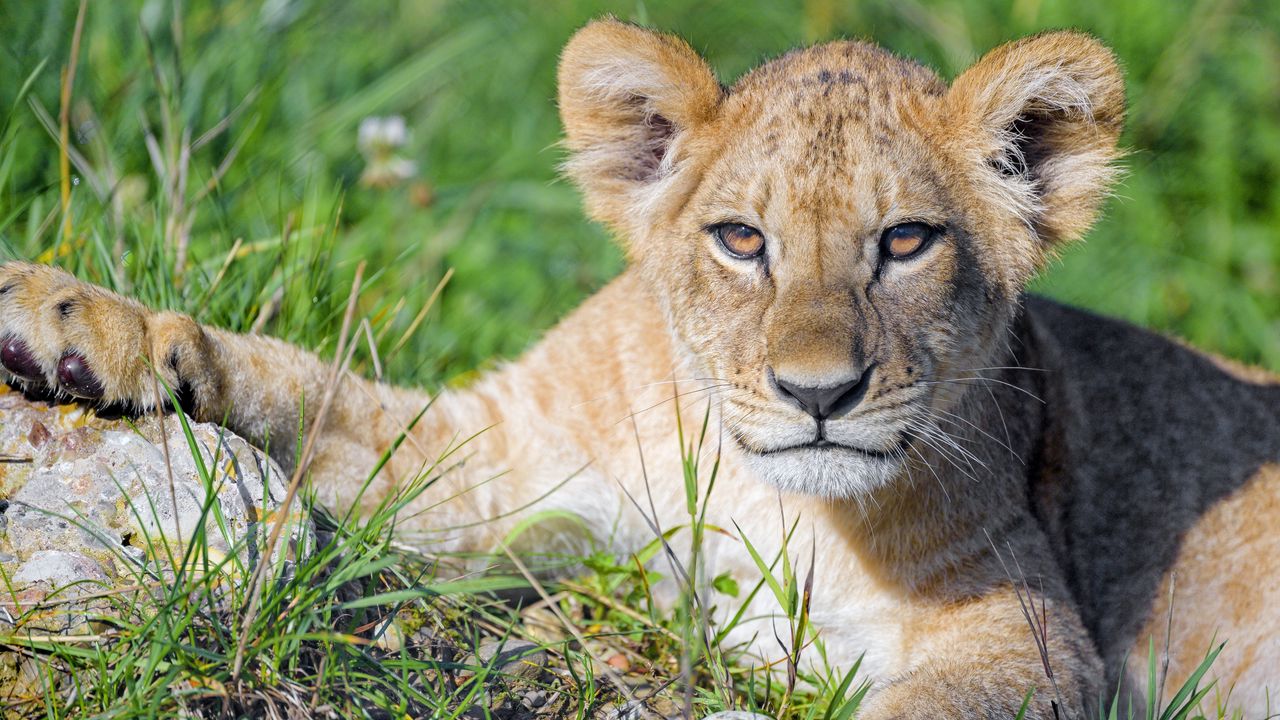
1224, 587
960, 487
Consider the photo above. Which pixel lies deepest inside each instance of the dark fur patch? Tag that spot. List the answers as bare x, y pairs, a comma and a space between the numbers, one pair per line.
38, 392
969, 285
186, 395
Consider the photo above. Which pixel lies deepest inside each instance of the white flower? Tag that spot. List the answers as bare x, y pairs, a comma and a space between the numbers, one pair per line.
381, 134
378, 139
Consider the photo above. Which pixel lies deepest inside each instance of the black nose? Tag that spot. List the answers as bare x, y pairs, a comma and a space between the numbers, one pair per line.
825, 402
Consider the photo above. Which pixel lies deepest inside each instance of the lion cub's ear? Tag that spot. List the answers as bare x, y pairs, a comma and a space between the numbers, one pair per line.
1039, 119
628, 99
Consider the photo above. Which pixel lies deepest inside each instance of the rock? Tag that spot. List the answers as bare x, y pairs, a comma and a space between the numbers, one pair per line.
58, 568
517, 658
88, 503
391, 639
618, 662
92, 509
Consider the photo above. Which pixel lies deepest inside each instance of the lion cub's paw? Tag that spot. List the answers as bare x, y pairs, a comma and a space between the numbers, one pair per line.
62, 335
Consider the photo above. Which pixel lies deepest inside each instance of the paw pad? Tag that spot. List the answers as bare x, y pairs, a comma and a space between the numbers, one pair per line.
76, 377
17, 359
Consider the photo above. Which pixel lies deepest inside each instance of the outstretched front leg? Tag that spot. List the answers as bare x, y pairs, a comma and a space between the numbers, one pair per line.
62, 336
984, 658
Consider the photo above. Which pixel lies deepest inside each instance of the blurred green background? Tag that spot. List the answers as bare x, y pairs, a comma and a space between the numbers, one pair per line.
236, 122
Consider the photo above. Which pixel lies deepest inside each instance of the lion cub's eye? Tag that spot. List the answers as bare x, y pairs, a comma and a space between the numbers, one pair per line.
741, 241
906, 240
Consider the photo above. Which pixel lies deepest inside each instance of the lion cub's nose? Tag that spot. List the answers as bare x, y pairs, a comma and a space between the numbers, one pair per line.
824, 402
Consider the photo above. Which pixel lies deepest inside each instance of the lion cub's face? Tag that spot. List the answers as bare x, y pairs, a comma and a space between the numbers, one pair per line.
825, 271
840, 238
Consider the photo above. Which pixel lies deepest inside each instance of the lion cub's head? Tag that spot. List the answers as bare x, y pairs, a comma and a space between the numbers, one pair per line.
840, 232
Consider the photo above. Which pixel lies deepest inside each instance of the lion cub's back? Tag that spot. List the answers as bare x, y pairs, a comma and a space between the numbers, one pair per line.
1172, 464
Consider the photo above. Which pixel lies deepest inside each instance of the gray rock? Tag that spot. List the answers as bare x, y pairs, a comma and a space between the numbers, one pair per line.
514, 657
58, 568
534, 699
88, 503
92, 508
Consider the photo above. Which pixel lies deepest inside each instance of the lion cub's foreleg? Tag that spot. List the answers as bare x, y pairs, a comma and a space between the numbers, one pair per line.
982, 659
990, 622
72, 339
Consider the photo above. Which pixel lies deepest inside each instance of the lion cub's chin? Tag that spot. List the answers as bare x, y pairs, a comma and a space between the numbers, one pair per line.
832, 472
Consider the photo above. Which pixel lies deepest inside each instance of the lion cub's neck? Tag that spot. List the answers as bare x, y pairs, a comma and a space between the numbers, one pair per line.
967, 480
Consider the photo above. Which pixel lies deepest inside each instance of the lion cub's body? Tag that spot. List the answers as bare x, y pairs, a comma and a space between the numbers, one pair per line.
1006, 493
1135, 475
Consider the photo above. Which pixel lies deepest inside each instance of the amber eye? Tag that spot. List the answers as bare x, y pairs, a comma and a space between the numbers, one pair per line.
741, 241
906, 240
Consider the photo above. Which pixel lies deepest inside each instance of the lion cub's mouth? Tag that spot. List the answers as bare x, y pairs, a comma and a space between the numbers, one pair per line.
823, 467
822, 444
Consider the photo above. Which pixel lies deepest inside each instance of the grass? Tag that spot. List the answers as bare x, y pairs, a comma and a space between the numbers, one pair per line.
270, 97
211, 166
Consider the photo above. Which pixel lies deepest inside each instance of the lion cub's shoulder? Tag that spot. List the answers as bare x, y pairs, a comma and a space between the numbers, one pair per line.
1115, 351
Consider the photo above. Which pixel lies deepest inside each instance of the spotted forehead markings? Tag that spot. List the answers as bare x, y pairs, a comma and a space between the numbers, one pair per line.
775, 96
844, 77
842, 62
868, 77
824, 128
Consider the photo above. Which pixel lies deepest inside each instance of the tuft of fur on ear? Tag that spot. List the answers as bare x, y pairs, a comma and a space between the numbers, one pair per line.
1039, 119
628, 97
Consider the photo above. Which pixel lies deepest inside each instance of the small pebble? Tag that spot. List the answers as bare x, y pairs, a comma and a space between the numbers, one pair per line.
514, 657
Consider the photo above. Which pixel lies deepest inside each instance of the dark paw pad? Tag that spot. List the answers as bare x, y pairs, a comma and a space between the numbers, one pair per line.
17, 359
76, 377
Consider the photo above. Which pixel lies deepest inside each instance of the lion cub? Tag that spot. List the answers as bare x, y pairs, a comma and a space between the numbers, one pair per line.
831, 255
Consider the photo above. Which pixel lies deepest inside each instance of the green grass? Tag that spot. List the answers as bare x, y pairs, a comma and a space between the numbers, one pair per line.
1191, 243
234, 124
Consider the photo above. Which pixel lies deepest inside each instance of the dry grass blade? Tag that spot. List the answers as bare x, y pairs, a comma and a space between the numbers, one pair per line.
422, 314
164, 444
222, 271
267, 311
64, 124
1036, 620
619, 607
26, 640
373, 349
85, 171
221, 126
568, 624
46, 602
